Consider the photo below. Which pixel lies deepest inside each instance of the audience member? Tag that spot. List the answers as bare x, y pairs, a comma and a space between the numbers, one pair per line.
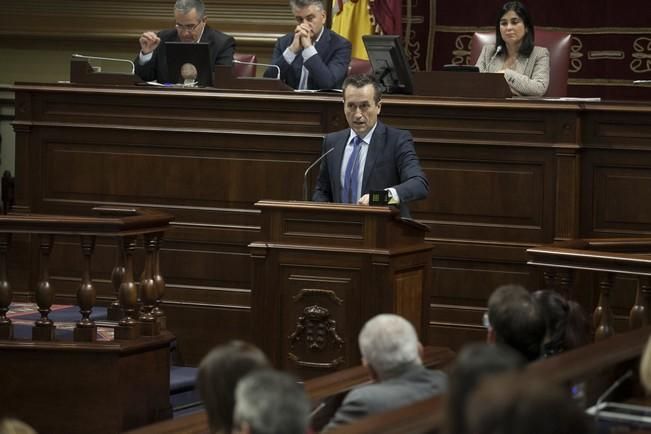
191, 19
392, 354
525, 66
369, 155
515, 404
270, 402
474, 363
516, 320
312, 56
567, 326
219, 372
14, 426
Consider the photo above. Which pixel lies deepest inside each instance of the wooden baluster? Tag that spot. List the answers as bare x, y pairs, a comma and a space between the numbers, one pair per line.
148, 291
603, 316
6, 328
645, 287
44, 328
637, 318
160, 282
86, 330
565, 282
114, 311
128, 327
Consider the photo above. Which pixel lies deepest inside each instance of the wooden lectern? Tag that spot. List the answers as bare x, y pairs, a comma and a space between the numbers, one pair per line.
322, 270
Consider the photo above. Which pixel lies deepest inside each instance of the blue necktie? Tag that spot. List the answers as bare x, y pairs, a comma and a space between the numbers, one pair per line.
351, 176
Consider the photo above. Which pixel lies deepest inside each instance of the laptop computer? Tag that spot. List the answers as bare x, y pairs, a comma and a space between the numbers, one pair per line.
189, 61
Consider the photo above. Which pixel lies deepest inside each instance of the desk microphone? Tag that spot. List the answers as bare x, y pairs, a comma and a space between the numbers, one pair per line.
307, 171
111, 59
628, 374
498, 50
269, 65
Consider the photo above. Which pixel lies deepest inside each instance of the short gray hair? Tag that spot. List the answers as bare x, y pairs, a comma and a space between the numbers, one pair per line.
389, 344
185, 6
300, 4
271, 402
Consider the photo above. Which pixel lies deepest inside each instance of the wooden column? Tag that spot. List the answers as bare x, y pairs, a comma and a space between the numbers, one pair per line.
86, 330
603, 316
114, 311
161, 319
128, 327
44, 328
637, 318
148, 291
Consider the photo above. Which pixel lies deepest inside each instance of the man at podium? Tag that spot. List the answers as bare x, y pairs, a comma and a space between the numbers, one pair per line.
191, 19
368, 156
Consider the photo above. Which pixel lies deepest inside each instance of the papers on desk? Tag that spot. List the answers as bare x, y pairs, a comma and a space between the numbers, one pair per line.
643, 82
573, 99
317, 90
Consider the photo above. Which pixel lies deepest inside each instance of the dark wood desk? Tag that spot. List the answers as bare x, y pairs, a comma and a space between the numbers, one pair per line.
505, 175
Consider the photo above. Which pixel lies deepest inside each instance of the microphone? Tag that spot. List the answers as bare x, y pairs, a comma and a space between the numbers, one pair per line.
498, 50
628, 374
269, 65
111, 59
307, 171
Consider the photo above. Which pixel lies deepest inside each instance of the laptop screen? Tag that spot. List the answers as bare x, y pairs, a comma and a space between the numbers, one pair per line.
189, 61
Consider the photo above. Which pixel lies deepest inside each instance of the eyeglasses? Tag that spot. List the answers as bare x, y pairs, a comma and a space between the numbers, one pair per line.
189, 28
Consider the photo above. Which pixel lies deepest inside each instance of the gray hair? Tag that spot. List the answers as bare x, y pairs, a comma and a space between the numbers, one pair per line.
185, 6
389, 343
271, 402
300, 4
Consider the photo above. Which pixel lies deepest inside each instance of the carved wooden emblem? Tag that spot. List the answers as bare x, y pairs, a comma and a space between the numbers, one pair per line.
316, 329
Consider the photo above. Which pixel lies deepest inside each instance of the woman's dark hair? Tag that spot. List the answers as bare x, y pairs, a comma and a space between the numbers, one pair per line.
528, 40
219, 372
474, 363
567, 325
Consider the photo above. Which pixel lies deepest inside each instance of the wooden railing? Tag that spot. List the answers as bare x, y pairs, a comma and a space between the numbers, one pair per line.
607, 258
595, 366
325, 393
137, 309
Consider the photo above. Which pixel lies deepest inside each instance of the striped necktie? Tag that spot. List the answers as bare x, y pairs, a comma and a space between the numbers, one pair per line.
351, 176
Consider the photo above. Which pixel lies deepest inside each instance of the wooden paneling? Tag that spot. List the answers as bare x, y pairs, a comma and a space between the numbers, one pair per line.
504, 175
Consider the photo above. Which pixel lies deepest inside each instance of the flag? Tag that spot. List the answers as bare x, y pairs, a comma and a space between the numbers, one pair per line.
353, 19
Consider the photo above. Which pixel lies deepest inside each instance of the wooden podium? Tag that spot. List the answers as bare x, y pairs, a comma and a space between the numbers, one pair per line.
322, 270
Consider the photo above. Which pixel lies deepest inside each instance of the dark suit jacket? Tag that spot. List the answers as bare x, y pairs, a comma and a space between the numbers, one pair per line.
415, 384
391, 161
327, 68
222, 47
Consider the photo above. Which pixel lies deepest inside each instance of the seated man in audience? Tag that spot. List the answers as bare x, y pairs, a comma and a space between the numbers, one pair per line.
219, 372
191, 19
392, 354
516, 404
516, 320
474, 363
270, 402
312, 56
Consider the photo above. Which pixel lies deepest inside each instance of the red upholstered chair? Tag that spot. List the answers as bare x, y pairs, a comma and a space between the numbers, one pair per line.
240, 70
359, 66
558, 44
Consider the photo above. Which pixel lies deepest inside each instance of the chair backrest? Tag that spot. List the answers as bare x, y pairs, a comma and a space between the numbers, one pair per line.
359, 66
558, 44
241, 70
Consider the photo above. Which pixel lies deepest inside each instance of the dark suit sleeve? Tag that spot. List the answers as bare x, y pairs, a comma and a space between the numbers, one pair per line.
286, 71
353, 408
413, 183
323, 189
149, 71
330, 74
225, 50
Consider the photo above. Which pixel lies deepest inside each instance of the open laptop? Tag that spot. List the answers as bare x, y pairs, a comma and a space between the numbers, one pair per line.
189, 61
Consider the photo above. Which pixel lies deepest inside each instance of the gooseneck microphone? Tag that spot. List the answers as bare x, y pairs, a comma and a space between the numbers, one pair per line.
110, 59
268, 65
307, 171
498, 50
628, 374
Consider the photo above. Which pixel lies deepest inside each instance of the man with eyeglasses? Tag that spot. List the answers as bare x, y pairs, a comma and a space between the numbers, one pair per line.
312, 56
191, 19
369, 156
